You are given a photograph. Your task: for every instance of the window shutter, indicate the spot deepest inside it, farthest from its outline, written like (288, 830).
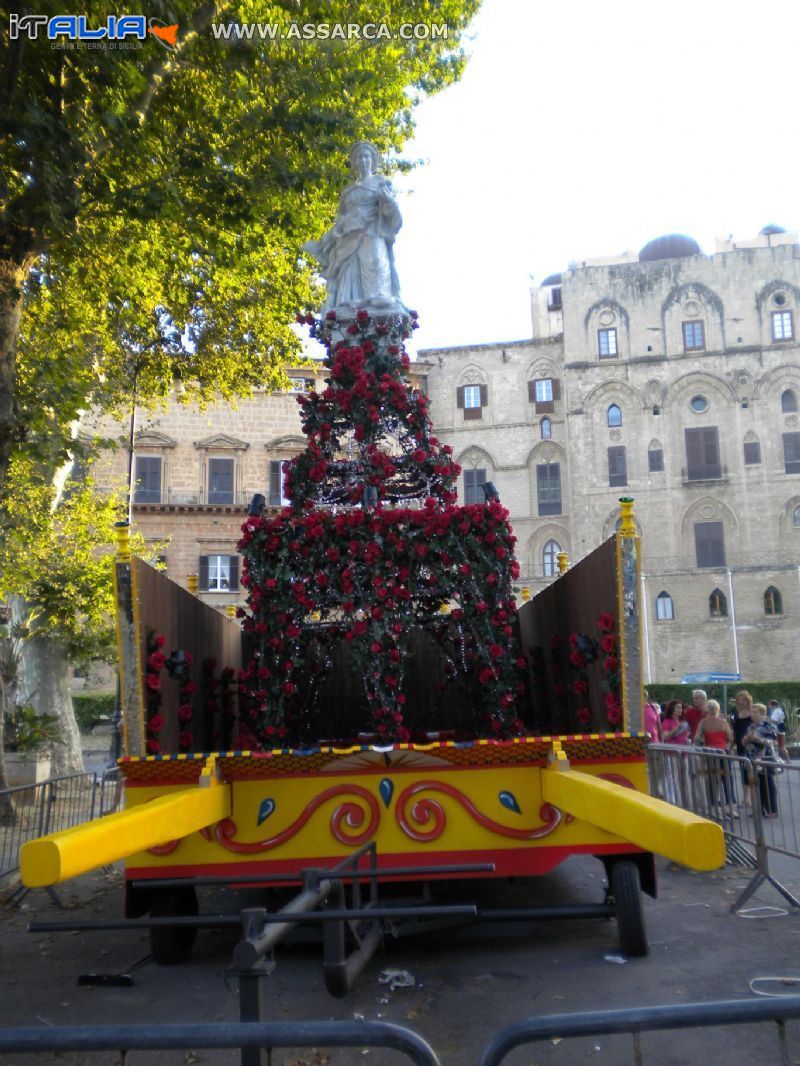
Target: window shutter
(556, 389)
(234, 572)
(275, 474)
(460, 396)
(531, 392)
(473, 412)
(202, 583)
(484, 395)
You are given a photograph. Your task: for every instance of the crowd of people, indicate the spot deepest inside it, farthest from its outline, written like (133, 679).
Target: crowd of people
(754, 731)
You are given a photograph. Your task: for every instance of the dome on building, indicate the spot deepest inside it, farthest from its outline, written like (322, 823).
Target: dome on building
(552, 279)
(771, 230)
(671, 246)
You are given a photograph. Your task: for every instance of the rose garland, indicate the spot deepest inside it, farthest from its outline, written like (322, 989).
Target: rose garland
(612, 682)
(154, 720)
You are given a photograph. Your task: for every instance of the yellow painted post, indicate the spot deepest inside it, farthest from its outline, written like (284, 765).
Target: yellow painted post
(525, 593)
(71, 852)
(192, 583)
(643, 820)
(563, 562)
(230, 610)
(123, 534)
(630, 608)
(128, 650)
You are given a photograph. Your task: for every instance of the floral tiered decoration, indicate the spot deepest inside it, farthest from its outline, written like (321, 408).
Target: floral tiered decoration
(345, 565)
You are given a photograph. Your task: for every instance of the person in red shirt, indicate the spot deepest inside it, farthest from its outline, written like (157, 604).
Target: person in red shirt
(694, 715)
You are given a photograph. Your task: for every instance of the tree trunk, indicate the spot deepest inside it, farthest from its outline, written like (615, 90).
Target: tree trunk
(12, 277)
(45, 685)
(8, 814)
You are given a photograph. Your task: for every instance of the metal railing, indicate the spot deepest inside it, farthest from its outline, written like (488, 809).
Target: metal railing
(638, 1020)
(259, 1036)
(48, 806)
(756, 801)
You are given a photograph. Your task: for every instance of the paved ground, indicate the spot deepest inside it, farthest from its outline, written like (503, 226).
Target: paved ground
(467, 985)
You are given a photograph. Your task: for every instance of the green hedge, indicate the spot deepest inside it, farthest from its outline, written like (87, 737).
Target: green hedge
(92, 710)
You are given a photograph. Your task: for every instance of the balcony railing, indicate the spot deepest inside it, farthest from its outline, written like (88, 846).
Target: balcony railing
(695, 475)
(179, 498)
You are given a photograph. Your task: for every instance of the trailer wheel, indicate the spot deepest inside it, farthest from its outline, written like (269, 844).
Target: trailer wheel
(630, 913)
(173, 944)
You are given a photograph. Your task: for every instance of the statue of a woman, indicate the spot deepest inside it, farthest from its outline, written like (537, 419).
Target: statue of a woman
(356, 256)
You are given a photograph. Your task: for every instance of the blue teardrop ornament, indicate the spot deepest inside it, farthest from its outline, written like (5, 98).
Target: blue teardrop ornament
(265, 810)
(509, 800)
(386, 790)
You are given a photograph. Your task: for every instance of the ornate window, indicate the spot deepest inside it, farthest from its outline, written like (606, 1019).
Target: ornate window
(709, 539)
(796, 517)
(548, 488)
(147, 479)
(617, 466)
(655, 458)
(614, 415)
(788, 402)
(791, 453)
(694, 339)
(546, 428)
(607, 343)
(782, 326)
(718, 604)
(550, 558)
(752, 453)
(474, 480)
(471, 399)
(773, 601)
(665, 607)
(219, 573)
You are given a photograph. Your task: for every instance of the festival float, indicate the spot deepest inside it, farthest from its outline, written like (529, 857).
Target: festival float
(381, 701)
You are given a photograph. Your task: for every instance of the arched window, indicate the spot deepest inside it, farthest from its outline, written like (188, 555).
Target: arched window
(796, 517)
(665, 608)
(614, 415)
(788, 402)
(718, 604)
(773, 603)
(546, 428)
(549, 558)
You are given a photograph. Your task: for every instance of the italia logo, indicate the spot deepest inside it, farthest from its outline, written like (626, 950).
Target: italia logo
(77, 28)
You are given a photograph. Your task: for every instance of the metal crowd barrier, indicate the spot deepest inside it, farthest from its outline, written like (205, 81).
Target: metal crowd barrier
(756, 801)
(48, 806)
(637, 1020)
(261, 1036)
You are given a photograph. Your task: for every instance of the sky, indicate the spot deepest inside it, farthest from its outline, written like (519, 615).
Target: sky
(580, 130)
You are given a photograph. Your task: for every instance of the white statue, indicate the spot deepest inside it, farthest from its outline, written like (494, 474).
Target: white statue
(356, 256)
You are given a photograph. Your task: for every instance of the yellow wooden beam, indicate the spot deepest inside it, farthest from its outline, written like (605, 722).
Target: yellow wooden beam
(72, 852)
(643, 820)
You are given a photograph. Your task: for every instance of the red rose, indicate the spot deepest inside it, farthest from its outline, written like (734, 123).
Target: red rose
(160, 640)
(608, 643)
(289, 689)
(496, 651)
(605, 622)
(584, 715)
(185, 739)
(156, 660)
(153, 747)
(403, 734)
(577, 659)
(153, 682)
(610, 664)
(185, 712)
(614, 715)
(156, 724)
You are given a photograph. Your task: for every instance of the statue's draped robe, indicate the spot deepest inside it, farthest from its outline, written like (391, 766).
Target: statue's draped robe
(356, 256)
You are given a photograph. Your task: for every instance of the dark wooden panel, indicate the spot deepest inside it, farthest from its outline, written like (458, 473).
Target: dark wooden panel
(191, 625)
(572, 604)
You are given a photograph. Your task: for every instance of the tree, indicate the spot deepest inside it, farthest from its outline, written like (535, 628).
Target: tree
(56, 577)
(156, 198)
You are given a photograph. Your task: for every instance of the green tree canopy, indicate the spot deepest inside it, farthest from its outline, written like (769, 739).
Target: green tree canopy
(154, 200)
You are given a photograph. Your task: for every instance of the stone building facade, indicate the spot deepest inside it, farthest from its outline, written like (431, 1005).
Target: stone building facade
(672, 377)
(666, 375)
